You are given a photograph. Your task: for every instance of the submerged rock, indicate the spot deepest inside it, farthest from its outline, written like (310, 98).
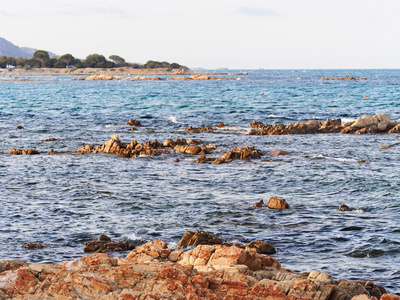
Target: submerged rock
(278, 153)
(33, 246)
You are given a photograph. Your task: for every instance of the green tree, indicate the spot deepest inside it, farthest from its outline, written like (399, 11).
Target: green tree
(117, 59)
(41, 56)
(95, 61)
(67, 59)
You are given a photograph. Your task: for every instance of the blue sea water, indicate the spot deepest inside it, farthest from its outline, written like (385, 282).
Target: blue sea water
(63, 201)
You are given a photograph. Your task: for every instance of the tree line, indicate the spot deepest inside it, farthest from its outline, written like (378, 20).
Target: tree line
(41, 59)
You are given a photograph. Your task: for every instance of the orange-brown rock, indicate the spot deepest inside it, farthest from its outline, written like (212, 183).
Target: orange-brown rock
(100, 77)
(153, 271)
(385, 147)
(243, 153)
(221, 125)
(22, 152)
(135, 122)
(276, 203)
(198, 129)
(198, 237)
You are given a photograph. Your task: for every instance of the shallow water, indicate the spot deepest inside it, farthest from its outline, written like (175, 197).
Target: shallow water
(64, 200)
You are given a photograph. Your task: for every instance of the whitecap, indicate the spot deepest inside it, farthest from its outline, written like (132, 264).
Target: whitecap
(173, 119)
(134, 237)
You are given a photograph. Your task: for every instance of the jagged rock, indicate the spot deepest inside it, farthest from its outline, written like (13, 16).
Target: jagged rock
(104, 244)
(198, 237)
(22, 152)
(7, 265)
(133, 123)
(276, 203)
(153, 271)
(260, 247)
(259, 203)
(243, 153)
(344, 207)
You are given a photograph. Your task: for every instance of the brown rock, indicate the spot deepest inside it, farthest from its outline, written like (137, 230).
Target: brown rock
(259, 203)
(198, 237)
(344, 207)
(260, 247)
(221, 125)
(132, 122)
(104, 244)
(278, 153)
(7, 265)
(276, 203)
(385, 147)
(33, 246)
(19, 127)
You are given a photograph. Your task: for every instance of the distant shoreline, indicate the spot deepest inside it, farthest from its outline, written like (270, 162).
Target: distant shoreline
(94, 71)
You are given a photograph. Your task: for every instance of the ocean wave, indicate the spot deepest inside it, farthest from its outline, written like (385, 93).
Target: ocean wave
(173, 119)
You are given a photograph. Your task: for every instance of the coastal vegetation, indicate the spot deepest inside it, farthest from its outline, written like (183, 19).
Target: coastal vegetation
(41, 59)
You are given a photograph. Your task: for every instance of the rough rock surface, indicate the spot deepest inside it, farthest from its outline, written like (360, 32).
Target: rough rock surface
(152, 271)
(198, 237)
(379, 123)
(105, 244)
(276, 203)
(22, 152)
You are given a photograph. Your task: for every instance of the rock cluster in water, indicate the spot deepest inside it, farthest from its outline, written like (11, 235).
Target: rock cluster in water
(343, 78)
(378, 123)
(153, 271)
(111, 77)
(22, 152)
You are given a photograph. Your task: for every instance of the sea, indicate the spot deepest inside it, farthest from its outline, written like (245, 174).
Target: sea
(65, 200)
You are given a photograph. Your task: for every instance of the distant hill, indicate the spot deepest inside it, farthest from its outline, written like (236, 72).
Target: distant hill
(9, 49)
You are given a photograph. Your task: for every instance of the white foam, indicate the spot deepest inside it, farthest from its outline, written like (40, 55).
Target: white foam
(174, 120)
(115, 126)
(172, 245)
(345, 120)
(134, 237)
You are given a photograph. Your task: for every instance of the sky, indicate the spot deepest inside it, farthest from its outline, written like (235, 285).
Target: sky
(235, 34)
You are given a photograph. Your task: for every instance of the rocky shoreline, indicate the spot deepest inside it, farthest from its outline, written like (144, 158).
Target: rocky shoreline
(154, 271)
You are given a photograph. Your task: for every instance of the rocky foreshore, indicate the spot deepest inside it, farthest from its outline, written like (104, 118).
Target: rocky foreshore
(154, 271)
(379, 123)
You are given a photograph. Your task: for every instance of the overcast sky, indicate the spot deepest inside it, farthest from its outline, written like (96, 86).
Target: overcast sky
(269, 34)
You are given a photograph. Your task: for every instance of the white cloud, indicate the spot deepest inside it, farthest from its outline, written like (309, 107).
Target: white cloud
(253, 11)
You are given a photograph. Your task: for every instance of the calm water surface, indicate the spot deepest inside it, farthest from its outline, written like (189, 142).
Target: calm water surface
(65, 200)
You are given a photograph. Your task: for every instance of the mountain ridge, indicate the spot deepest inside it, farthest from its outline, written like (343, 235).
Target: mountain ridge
(7, 48)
